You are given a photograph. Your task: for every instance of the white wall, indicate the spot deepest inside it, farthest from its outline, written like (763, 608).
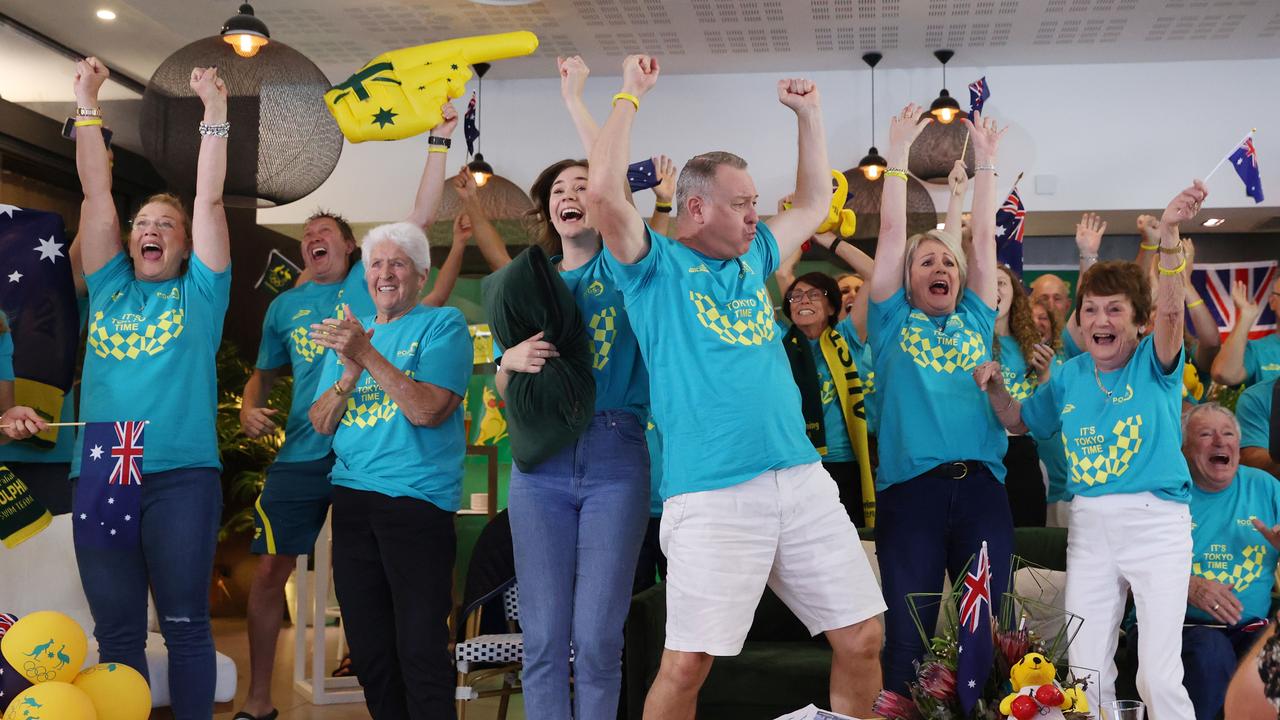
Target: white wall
(1116, 136)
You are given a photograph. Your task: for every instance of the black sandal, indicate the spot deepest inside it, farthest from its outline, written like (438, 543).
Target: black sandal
(242, 715)
(343, 670)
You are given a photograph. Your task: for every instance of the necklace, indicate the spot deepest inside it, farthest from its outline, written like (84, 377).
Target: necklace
(942, 326)
(1098, 378)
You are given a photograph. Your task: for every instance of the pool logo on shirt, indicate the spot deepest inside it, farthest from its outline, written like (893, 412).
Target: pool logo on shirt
(603, 332)
(1215, 561)
(1093, 461)
(943, 351)
(745, 321)
(595, 289)
(305, 348)
(129, 335)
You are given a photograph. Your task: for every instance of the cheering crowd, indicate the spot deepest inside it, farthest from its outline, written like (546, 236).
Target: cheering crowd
(928, 384)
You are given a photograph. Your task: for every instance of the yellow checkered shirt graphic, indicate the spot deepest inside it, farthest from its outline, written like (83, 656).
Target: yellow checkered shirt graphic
(603, 332)
(367, 414)
(303, 345)
(151, 340)
(920, 344)
(1242, 575)
(1103, 466)
(755, 329)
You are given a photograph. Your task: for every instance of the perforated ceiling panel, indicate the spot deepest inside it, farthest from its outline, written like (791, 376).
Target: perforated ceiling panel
(713, 35)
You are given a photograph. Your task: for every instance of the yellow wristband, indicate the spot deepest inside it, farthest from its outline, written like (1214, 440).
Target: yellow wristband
(662, 205)
(1149, 247)
(628, 97)
(1195, 303)
(1176, 271)
(87, 123)
(437, 149)
(897, 174)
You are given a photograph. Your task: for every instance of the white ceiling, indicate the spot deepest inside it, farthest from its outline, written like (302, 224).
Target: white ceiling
(692, 36)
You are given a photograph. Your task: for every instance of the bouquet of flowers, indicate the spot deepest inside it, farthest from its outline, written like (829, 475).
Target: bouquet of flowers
(1025, 624)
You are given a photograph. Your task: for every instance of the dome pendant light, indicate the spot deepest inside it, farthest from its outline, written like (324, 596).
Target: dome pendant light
(945, 109)
(873, 164)
(245, 33)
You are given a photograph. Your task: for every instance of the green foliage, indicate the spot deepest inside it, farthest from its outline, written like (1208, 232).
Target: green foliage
(244, 459)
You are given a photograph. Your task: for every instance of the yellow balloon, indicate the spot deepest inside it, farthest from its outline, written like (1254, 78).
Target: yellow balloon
(118, 691)
(45, 646)
(51, 701)
(399, 93)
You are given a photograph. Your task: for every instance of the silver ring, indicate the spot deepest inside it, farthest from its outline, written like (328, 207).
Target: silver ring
(1216, 606)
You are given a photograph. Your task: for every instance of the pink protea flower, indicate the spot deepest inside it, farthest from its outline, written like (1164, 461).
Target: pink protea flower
(1013, 644)
(894, 706)
(939, 681)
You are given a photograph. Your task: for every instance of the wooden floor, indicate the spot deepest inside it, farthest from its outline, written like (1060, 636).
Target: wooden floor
(230, 638)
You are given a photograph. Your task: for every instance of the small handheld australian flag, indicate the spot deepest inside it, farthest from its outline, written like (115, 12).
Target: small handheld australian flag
(975, 645)
(642, 175)
(107, 506)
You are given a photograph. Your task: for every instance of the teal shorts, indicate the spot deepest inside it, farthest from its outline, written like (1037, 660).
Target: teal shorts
(291, 510)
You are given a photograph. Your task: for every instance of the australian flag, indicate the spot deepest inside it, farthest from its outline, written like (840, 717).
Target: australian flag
(1009, 232)
(38, 298)
(1245, 161)
(976, 648)
(1214, 282)
(979, 92)
(470, 130)
(108, 497)
(642, 175)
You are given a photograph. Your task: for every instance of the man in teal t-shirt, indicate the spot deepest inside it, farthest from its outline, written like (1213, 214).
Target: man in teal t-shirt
(1242, 360)
(1235, 514)
(1253, 410)
(747, 502)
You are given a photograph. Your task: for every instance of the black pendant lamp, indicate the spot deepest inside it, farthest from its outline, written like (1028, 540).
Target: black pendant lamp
(945, 109)
(245, 32)
(480, 170)
(873, 164)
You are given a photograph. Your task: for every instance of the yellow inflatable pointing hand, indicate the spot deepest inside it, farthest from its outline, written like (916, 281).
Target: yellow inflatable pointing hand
(399, 93)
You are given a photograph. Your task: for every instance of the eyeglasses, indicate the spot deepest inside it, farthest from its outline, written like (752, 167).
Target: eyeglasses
(811, 295)
(163, 225)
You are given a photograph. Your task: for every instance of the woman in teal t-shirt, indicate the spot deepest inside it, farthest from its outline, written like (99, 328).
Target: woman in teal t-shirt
(1025, 360)
(1118, 408)
(156, 309)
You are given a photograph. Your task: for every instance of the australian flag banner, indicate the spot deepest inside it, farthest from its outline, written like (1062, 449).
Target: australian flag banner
(21, 514)
(107, 506)
(279, 274)
(976, 647)
(1214, 282)
(1009, 219)
(38, 298)
(642, 175)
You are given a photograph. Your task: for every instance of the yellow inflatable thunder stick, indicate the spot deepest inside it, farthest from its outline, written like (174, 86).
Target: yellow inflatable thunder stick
(399, 93)
(839, 218)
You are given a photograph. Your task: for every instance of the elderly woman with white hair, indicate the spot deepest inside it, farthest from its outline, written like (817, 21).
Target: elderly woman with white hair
(939, 491)
(390, 394)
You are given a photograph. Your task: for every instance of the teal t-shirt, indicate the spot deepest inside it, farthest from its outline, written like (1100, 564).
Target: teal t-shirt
(66, 440)
(377, 448)
(1014, 368)
(720, 383)
(1069, 347)
(622, 383)
(839, 449)
(931, 411)
(151, 356)
(1262, 359)
(6, 356)
(354, 291)
(286, 341)
(654, 439)
(1253, 410)
(1228, 548)
(1130, 442)
(1052, 453)
(862, 357)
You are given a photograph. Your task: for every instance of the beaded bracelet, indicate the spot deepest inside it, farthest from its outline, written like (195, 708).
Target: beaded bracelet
(221, 130)
(88, 111)
(980, 168)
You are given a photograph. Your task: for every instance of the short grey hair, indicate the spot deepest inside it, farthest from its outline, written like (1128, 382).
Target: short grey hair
(698, 174)
(1201, 409)
(408, 236)
(952, 242)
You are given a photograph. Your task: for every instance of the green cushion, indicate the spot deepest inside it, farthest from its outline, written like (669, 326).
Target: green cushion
(787, 674)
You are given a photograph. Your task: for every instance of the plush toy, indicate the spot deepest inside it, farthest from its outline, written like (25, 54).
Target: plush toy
(840, 219)
(399, 93)
(1036, 692)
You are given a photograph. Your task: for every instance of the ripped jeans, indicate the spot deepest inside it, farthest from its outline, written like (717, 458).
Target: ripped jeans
(181, 510)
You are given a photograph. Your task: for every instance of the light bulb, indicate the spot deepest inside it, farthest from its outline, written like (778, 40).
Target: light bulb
(481, 178)
(946, 115)
(246, 44)
(872, 172)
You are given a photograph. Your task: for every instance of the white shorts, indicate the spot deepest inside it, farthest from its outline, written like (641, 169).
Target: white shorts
(784, 528)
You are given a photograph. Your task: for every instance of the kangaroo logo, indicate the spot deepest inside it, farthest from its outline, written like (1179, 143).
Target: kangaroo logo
(37, 650)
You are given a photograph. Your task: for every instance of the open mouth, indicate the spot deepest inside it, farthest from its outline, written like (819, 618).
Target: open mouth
(152, 251)
(1104, 339)
(805, 312)
(1220, 459)
(318, 252)
(387, 288)
(939, 287)
(571, 214)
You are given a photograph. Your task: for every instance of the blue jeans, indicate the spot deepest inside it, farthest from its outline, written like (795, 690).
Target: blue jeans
(926, 526)
(576, 523)
(1209, 659)
(181, 510)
